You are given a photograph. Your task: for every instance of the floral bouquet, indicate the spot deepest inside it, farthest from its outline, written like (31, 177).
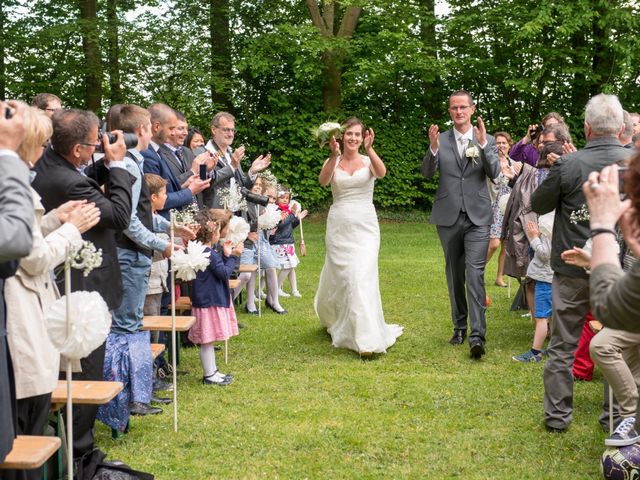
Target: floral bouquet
(186, 263)
(85, 258)
(270, 218)
(186, 216)
(324, 132)
(232, 198)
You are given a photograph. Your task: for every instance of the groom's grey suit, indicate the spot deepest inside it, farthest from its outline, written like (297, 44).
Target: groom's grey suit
(462, 213)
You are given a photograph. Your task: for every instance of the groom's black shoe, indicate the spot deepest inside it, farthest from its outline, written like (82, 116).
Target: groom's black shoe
(458, 337)
(476, 348)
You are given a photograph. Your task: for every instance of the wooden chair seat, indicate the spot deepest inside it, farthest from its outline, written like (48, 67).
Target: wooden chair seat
(30, 451)
(163, 323)
(157, 349)
(248, 268)
(86, 392)
(233, 283)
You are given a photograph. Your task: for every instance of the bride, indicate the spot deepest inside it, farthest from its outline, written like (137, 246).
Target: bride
(348, 298)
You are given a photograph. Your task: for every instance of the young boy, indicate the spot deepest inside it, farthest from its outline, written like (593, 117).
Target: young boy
(540, 271)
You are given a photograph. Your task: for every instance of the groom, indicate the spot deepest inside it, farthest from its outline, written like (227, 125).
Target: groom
(465, 156)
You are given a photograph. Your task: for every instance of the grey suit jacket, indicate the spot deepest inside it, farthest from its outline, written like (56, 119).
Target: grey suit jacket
(16, 208)
(220, 178)
(462, 181)
(178, 170)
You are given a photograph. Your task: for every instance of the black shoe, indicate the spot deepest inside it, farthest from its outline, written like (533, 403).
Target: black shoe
(458, 337)
(551, 429)
(217, 348)
(279, 312)
(220, 381)
(250, 312)
(476, 349)
(137, 408)
(160, 386)
(160, 400)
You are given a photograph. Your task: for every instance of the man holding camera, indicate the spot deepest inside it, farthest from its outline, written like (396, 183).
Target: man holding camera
(562, 191)
(227, 172)
(59, 178)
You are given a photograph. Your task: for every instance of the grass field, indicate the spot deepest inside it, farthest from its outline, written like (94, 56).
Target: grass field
(300, 408)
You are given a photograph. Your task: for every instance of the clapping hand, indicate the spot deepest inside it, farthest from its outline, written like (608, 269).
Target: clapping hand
(84, 216)
(369, 136)
(302, 214)
(434, 137)
(480, 132)
(237, 156)
(532, 230)
(186, 232)
(261, 163)
(64, 210)
(576, 256)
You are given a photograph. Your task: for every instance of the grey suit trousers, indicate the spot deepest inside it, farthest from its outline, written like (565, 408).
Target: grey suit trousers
(465, 250)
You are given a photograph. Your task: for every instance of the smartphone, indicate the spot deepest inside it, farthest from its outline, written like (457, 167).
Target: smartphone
(203, 171)
(622, 171)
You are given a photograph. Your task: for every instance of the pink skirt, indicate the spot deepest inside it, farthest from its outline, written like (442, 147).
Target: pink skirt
(213, 324)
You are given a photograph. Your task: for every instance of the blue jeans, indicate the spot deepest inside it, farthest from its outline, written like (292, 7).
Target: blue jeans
(135, 268)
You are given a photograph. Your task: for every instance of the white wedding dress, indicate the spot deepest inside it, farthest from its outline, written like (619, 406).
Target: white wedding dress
(348, 298)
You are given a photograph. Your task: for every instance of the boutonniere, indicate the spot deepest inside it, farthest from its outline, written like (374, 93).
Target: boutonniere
(472, 153)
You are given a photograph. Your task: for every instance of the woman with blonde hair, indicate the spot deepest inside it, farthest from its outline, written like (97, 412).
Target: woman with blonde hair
(30, 293)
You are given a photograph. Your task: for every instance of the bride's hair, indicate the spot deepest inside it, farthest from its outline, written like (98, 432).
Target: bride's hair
(350, 122)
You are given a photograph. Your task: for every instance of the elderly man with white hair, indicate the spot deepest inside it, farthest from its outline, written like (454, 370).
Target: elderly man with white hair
(562, 191)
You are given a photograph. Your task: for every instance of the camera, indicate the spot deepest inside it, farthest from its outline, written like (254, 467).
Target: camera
(534, 132)
(622, 171)
(8, 113)
(130, 140)
(254, 197)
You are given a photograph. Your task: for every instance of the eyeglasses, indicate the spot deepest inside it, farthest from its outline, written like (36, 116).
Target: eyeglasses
(461, 108)
(94, 145)
(226, 129)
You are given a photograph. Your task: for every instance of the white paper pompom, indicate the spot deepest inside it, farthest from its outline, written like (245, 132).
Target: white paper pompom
(186, 263)
(89, 324)
(270, 218)
(238, 230)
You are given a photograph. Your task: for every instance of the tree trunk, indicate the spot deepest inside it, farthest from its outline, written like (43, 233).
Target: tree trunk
(113, 52)
(91, 48)
(603, 56)
(332, 59)
(220, 55)
(431, 90)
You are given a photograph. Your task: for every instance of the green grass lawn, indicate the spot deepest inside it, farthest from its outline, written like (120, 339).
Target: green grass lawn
(299, 408)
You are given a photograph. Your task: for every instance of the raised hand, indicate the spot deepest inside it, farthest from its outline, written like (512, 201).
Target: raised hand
(302, 214)
(237, 156)
(576, 256)
(185, 232)
(196, 185)
(238, 249)
(369, 136)
(114, 152)
(527, 137)
(207, 158)
(261, 163)
(532, 230)
(12, 130)
(568, 147)
(434, 137)
(335, 148)
(227, 247)
(480, 132)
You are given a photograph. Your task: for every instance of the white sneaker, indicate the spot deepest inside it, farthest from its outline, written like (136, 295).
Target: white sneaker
(282, 293)
(296, 293)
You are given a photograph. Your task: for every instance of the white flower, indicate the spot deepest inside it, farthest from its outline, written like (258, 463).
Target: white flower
(580, 215)
(232, 198)
(324, 132)
(88, 324)
(186, 263)
(85, 258)
(186, 216)
(268, 178)
(472, 153)
(238, 230)
(269, 218)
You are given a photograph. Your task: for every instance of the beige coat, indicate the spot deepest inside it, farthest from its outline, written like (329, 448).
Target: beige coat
(28, 296)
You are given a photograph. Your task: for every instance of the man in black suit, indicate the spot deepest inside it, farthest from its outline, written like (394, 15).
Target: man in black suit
(465, 156)
(59, 178)
(562, 191)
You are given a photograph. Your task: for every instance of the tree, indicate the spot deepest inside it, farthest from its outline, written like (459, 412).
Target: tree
(91, 47)
(333, 56)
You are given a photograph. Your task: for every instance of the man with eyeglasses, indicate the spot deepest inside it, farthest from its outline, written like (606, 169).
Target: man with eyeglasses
(465, 156)
(60, 178)
(228, 172)
(48, 102)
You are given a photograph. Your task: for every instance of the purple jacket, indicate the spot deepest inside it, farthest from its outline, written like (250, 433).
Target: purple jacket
(524, 152)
